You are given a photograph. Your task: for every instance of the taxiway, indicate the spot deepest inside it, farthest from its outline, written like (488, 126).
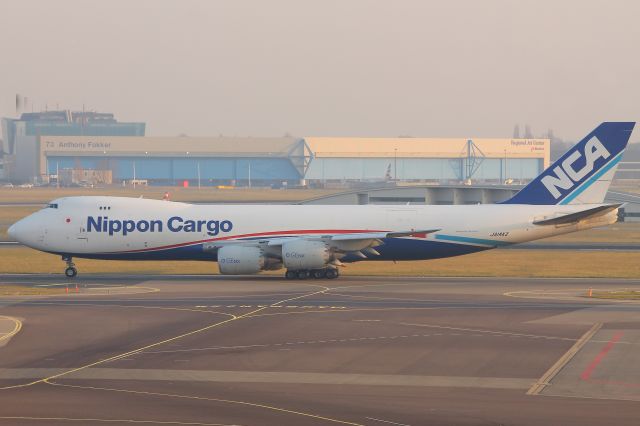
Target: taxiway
(359, 351)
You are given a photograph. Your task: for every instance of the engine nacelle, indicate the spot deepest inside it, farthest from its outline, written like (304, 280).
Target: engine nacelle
(239, 260)
(302, 254)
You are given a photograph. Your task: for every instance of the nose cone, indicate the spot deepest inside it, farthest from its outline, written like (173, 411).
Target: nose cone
(26, 231)
(12, 231)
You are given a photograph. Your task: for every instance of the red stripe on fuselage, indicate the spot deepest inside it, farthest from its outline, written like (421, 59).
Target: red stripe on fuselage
(257, 234)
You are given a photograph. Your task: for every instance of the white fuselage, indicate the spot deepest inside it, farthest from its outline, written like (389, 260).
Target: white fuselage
(130, 228)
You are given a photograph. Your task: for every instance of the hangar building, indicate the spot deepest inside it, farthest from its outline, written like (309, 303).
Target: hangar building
(41, 144)
(310, 160)
(427, 159)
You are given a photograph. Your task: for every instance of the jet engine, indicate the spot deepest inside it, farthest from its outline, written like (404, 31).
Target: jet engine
(305, 254)
(240, 259)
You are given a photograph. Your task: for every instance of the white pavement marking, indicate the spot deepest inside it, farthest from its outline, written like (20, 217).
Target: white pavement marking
(273, 306)
(386, 421)
(344, 340)
(486, 332)
(87, 421)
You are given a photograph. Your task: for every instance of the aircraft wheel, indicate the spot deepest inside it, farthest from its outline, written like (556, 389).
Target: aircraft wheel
(319, 274)
(332, 273)
(303, 274)
(290, 275)
(71, 272)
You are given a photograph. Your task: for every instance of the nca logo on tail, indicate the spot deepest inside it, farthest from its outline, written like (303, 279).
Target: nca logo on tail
(566, 176)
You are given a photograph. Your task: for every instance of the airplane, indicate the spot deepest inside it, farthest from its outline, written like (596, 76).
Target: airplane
(315, 240)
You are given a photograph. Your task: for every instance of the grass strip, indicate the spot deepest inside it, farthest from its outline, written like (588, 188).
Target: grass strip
(494, 263)
(617, 295)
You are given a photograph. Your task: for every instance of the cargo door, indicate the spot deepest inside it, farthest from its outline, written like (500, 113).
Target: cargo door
(402, 219)
(82, 235)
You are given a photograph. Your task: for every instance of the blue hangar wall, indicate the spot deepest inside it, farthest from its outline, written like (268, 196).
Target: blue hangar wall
(171, 170)
(162, 160)
(237, 161)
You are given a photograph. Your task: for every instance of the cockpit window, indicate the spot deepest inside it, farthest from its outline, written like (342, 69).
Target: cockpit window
(52, 206)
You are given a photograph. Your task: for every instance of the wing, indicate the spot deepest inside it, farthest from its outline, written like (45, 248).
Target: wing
(381, 235)
(360, 244)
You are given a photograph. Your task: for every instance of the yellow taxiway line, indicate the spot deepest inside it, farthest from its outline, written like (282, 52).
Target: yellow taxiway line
(50, 380)
(16, 329)
(203, 398)
(546, 378)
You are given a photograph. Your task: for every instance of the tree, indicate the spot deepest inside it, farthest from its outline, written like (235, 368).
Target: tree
(527, 132)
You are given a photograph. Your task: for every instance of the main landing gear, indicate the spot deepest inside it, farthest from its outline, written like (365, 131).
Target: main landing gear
(303, 274)
(71, 270)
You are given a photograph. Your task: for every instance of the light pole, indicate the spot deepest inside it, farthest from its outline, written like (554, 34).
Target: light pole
(198, 175)
(186, 180)
(395, 164)
(504, 180)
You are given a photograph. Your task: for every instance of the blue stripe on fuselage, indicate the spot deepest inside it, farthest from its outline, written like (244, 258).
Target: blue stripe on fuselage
(392, 249)
(471, 240)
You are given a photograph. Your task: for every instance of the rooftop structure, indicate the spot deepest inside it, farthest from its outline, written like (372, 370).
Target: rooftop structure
(64, 123)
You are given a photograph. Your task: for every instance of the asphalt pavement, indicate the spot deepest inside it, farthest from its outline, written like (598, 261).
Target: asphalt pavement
(358, 351)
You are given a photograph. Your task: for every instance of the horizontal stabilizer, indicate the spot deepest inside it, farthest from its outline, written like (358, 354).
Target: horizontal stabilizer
(578, 216)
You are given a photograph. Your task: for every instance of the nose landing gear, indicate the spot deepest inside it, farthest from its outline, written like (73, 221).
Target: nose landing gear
(71, 270)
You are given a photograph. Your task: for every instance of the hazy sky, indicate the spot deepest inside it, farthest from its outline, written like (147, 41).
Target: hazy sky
(328, 68)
